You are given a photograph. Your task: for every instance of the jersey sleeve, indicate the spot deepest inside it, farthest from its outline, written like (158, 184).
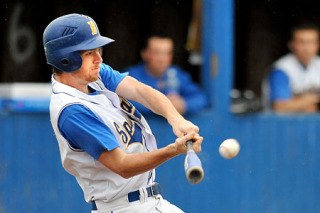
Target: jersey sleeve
(279, 86)
(84, 130)
(110, 77)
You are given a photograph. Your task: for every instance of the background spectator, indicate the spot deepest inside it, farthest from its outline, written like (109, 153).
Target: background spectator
(157, 71)
(294, 82)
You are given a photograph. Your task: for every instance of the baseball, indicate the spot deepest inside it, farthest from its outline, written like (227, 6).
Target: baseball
(229, 148)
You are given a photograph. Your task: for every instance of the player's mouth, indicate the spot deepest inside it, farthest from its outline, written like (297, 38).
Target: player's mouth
(96, 68)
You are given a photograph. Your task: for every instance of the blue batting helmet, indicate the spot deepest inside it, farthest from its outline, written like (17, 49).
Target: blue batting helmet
(66, 36)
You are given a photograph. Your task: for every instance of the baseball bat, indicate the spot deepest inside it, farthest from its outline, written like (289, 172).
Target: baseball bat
(192, 165)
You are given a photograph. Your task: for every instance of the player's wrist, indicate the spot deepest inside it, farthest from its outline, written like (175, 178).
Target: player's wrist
(172, 150)
(174, 118)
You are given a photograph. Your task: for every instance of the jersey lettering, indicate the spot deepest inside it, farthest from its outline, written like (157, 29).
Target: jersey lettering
(124, 135)
(130, 132)
(129, 127)
(129, 108)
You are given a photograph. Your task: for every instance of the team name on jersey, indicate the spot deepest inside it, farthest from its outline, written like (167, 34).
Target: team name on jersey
(129, 130)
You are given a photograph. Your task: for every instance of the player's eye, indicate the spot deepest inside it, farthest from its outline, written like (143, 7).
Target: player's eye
(100, 51)
(86, 52)
(91, 52)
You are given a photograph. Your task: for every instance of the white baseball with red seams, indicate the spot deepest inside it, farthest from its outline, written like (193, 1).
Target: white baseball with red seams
(229, 148)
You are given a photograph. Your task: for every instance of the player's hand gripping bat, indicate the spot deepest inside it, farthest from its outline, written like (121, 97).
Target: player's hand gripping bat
(192, 165)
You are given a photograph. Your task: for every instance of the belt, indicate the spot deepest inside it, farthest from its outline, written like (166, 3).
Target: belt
(135, 195)
(151, 190)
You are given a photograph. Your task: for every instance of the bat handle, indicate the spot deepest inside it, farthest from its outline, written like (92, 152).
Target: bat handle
(193, 166)
(189, 145)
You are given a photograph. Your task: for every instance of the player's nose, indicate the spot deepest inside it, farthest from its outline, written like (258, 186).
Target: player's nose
(98, 57)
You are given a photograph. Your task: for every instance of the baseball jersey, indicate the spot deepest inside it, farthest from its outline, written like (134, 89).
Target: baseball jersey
(173, 80)
(123, 125)
(290, 77)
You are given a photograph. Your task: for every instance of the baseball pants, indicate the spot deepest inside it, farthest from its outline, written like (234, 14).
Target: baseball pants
(155, 204)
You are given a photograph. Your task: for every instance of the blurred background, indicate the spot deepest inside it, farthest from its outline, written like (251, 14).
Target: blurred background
(127, 22)
(276, 170)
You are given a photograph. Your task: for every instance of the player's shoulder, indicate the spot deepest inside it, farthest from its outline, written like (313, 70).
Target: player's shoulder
(74, 109)
(136, 69)
(316, 61)
(278, 75)
(289, 64)
(285, 60)
(105, 68)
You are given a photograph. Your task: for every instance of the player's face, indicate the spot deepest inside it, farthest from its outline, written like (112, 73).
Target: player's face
(91, 60)
(158, 55)
(305, 45)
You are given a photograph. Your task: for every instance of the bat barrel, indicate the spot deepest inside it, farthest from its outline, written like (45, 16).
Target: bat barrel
(193, 166)
(195, 175)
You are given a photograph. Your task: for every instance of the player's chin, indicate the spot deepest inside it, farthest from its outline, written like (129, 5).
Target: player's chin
(95, 72)
(93, 77)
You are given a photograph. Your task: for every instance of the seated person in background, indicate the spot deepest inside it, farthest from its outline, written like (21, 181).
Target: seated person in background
(294, 82)
(157, 71)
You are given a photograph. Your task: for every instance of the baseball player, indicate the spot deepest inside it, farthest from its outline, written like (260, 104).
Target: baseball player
(294, 82)
(103, 140)
(157, 71)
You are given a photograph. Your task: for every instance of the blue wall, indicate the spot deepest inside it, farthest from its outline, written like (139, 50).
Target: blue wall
(31, 176)
(276, 170)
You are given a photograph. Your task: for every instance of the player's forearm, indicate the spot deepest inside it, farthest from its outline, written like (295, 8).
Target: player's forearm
(129, 165)
(142, 162)
(294, 105)
(139, 163)
(158, 103)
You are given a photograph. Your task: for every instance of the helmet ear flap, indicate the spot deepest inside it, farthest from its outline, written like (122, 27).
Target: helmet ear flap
(65, 61)
(68, 62)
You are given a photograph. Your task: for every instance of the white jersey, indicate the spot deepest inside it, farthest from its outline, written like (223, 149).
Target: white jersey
(96, 180)
(301, 79)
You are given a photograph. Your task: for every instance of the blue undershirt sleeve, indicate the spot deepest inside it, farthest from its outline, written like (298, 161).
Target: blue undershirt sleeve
(279, 86)
(110, 77)
(85, 131)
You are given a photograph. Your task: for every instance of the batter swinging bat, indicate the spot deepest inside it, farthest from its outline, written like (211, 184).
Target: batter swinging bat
(192, 165)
